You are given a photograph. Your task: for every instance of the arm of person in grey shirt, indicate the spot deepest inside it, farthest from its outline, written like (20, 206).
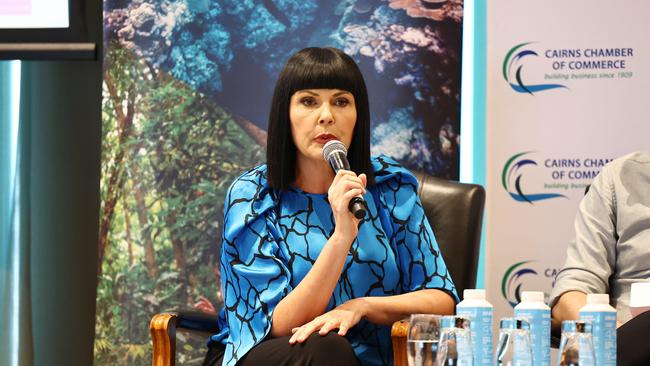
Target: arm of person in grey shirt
(591, 256)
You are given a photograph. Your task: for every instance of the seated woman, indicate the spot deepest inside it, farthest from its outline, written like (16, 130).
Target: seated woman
(304, 281)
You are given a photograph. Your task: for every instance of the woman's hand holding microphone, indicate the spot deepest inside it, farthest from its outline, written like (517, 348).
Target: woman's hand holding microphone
(346, 185)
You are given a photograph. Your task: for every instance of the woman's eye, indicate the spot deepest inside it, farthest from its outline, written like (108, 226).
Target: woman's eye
(341, 102)
(308, 101)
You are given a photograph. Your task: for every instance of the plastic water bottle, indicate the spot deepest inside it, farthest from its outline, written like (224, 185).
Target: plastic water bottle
(603, 327)
(479, 312)
(533, 308)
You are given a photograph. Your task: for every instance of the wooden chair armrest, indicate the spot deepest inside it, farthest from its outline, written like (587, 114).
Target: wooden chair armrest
(398, 338)
(163, 335)
(163, 329)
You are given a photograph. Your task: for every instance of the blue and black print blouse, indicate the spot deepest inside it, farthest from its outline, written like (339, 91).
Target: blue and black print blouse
(272, 238)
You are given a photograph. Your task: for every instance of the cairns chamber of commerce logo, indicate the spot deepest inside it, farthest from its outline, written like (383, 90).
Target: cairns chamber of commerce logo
(513, 280)
(512, 179)
(529, 274)
(513, 70)
(530, 67)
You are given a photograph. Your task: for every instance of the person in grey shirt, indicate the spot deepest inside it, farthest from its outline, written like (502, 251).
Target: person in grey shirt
(612, 244)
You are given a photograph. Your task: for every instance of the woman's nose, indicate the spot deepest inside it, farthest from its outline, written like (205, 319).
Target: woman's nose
(325, 116)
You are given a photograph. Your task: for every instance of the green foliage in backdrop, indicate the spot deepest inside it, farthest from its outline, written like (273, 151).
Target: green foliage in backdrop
(168, 157)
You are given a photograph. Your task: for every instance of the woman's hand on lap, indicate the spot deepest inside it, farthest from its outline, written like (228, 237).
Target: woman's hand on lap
(343, 317)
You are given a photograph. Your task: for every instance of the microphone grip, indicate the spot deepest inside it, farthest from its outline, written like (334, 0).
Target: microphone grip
(358, 207)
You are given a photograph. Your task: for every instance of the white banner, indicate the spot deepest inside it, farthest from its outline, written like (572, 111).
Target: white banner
(568, 87)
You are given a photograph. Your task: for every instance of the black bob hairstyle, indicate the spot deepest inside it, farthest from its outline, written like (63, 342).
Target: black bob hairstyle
(315, 68)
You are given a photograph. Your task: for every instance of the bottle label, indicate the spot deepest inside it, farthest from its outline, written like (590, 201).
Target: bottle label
(603, 330)
(481, 329)
(540, 333)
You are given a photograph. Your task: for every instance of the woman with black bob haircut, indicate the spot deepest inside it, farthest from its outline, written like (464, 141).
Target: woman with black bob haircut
(304, 281)
(319, 68)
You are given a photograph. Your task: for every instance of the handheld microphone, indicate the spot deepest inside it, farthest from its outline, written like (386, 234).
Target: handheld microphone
(335, 153)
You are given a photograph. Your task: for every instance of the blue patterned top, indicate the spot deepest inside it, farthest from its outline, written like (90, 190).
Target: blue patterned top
(272, 238)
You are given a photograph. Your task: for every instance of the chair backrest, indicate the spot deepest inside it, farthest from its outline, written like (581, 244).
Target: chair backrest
(455, 212)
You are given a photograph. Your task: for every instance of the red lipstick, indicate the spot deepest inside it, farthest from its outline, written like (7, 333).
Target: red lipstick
(323, 138)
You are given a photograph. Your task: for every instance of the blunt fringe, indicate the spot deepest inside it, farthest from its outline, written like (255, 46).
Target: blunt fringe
(315, 68)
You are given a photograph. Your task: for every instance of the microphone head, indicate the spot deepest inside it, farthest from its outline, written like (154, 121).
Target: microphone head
(332, 146)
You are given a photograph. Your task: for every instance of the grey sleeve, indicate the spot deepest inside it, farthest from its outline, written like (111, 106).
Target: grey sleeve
(591, 256)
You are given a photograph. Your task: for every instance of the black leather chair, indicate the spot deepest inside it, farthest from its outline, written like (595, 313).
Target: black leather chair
(455, 212)
(632, 345)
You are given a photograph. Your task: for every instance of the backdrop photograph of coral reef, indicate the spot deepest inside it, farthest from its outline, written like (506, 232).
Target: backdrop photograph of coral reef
(186, 94)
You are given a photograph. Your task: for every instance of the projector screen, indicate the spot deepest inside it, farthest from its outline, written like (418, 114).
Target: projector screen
(31, 14)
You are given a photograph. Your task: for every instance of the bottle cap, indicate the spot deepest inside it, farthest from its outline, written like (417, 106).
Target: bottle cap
(640, 294)
(514, 323)
(454, 321)
(532, 296)
(639, 298)
(576, 326)
(476, 294)
(598, 299)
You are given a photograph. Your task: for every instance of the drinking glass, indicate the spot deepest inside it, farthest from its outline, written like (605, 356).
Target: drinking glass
(455, 346)
(514, 347)
(576, 345)
(422, 339)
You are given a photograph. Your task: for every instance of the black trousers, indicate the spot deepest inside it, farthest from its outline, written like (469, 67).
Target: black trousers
(317, 350)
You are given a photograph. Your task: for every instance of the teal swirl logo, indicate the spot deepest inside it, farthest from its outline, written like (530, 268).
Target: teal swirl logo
(511, 284)
(511, 179)
(513, 66)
